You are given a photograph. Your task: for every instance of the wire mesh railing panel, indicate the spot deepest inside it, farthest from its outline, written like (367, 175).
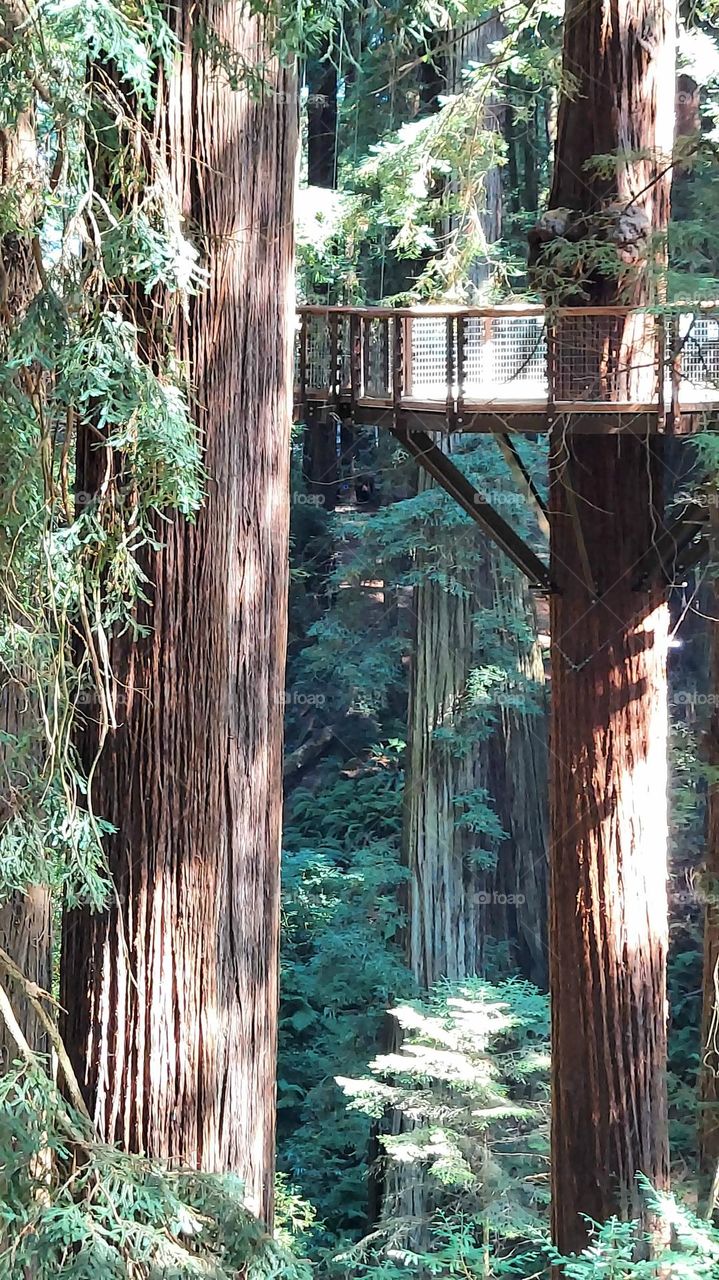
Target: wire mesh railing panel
(605, 358)
(428, 360)
(505, 358)
(318, 354)
(697, 339)
(377, 358)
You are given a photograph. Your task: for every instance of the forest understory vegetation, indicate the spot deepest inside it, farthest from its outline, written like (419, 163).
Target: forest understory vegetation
(216, 1061)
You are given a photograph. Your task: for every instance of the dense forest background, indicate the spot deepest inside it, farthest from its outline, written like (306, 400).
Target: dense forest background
(147, 222)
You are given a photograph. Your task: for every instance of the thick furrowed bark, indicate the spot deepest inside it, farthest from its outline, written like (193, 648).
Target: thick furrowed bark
(608, 919)
(709, 1071)
(172, 993)
(608, 724)
(454, 905)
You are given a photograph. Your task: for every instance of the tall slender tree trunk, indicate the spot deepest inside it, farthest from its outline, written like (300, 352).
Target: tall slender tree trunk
(709, 1070)
(25, 918)
(464, 913)
(458, 908)
(321, 77)
(172, 993)
(442, 913)
(473, 45)
(608, 733)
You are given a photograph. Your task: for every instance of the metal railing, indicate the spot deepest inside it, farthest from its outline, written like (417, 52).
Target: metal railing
(513, 359)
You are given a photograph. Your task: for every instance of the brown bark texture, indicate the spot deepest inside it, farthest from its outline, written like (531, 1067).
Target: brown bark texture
(172, 993)
(608, 774)
(456, 909)
(608, 728)
(709, 1070)
(616, 58)
(462, 916)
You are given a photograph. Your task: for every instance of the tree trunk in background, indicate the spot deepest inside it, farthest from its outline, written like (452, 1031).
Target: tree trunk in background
(456, 908)
(473, 46)
(321, 80)
(516, 755)
(464, 918)
(442, 938)
(319, 455)
(25, 919)
(172, 993)
(608, 737)
(709, 1070)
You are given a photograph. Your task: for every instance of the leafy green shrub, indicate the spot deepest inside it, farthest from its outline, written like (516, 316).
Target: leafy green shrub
(74, 1209)
(471, 1084)
(341, 966)
(691, 1254)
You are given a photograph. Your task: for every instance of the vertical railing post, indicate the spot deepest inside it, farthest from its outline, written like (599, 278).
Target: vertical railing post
(659, 357)
(398, 335)
(487, 365)
(366, 355)
(675, 346)
(551, 361)
(408, 352)
(449, 354)
(356, 388)
(334, 373)
(303, 365)
(384, 328)
(461, 361)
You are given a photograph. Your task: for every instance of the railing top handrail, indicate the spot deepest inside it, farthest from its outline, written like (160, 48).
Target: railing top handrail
(438, 311)
(506, 310)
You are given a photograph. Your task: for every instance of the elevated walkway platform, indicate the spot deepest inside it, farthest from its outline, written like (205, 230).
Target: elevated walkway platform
(427, 372)
(510, 368)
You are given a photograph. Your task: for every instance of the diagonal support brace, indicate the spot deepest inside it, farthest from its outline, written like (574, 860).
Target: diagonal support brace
(674, 539)
(524, 479)
(441, 468)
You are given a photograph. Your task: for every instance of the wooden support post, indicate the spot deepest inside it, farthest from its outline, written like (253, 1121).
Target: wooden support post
(450, 368)
(367, 355)
(397, 367)
(461, 361)
(659, 360)
(303, 366)
(356, 380)
(334, 358)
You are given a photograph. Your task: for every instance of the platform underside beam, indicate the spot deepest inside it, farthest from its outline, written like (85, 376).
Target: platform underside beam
(441, 468)
(507, 419)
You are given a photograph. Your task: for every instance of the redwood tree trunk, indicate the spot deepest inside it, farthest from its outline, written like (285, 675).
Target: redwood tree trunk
(473, 46)
(608, 774)
(172, 993)
(709, 1072)
(609, 720)
(457, 909)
